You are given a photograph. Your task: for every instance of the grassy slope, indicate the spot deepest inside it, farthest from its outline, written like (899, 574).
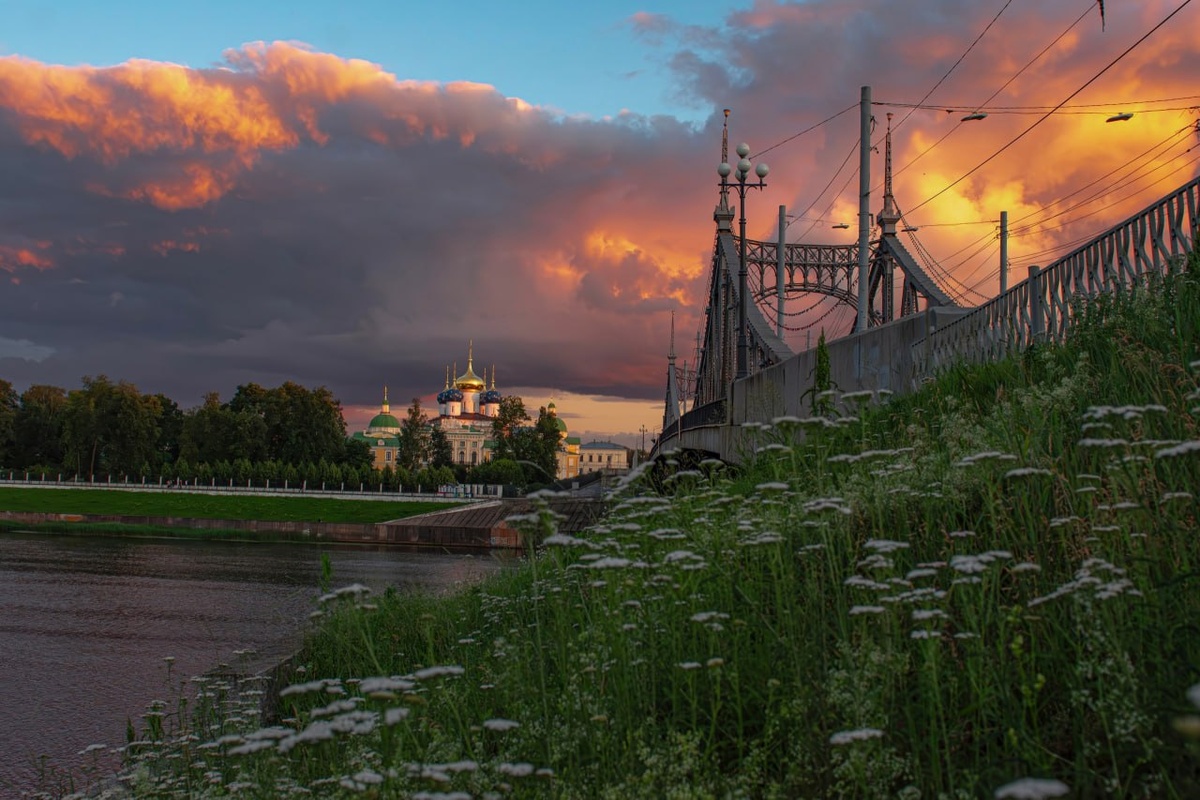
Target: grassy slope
(995, 579)
(205, 506)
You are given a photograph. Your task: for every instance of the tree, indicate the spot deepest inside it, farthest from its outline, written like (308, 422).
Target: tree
(441, 454)
(299, 424)
(540, 445)
(413, 451)
(38, 427)
(109, 427)
(9, 404)
(170, 427)
(358, 454)
(507, 423)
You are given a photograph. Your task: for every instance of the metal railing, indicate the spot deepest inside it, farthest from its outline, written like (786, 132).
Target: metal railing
(1043, 307)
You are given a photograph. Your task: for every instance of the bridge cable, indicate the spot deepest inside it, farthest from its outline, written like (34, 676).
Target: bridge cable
(1050, 113)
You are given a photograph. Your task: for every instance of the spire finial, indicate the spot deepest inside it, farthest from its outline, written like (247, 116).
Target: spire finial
(447, 386)
(671, 355)
(889, 216)
(384, 409)
(470, 353)
(725, 139)
(493, 376)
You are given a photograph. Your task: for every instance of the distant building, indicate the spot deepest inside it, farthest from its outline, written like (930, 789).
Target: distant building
(383, 435)
(466, 408)
(607, 457)
(568, 454)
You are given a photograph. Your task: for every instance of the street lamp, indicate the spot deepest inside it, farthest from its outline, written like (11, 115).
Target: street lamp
(743, 172)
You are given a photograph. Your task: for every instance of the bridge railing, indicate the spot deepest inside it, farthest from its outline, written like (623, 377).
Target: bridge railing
(1044, 305)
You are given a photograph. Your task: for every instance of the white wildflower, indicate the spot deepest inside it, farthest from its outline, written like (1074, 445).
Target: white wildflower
(856, 610)
(437, 672)
(500, 725)
(521, 770)
(1032, 789)
(859, 735)
(1022, 472)
(884, 545)
(1179, 450)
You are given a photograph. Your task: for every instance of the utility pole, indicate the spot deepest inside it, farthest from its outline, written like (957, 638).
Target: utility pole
(779, 252)
(864, 204)
(1003, 252)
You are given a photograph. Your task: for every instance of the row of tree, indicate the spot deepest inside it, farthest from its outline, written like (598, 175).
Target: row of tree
(289, 433)
(111, 428)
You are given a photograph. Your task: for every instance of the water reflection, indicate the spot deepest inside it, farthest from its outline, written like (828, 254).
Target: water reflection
(87, 622)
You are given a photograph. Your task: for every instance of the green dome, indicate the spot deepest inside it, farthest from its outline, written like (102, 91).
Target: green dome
(383, 422)
(562, 426)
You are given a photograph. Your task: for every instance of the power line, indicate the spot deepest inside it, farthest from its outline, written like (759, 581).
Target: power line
(954, 66)
(806, 130)
(1048, 114)
(992, 96)
(1128, 179)
(954, 108)
(821, 194)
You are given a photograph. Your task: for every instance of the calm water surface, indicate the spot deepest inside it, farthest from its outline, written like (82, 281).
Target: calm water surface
(87, 622)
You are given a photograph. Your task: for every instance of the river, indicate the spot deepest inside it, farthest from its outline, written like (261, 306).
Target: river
(92, 629)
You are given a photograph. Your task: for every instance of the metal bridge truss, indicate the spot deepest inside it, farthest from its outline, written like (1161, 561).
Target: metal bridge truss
(830, 270)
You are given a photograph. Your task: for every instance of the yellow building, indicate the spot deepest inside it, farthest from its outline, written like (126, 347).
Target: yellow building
(466, 408)
(568, 453)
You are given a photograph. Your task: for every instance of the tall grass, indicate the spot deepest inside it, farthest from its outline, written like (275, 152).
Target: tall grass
(988, 588)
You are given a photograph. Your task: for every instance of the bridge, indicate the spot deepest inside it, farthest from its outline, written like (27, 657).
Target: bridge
(888, 352)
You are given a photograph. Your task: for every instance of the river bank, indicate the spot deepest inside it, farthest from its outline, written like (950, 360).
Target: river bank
(984, 589)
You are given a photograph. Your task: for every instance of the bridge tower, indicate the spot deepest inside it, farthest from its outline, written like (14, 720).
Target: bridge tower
(671, 403)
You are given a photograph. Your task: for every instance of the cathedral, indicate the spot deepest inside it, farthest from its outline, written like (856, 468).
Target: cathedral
(466, 408)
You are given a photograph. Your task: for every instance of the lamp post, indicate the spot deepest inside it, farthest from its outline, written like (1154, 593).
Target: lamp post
(743, 172)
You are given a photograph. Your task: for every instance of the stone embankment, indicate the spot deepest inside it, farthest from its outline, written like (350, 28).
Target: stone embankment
(477, 526)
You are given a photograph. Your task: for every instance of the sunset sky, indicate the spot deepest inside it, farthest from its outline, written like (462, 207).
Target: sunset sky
(195, 196)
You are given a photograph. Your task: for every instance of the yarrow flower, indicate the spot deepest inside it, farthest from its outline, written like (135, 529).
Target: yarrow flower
(842, 738)
(1032, 789)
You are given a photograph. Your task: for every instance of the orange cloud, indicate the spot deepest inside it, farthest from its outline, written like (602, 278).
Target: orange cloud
(14, 258)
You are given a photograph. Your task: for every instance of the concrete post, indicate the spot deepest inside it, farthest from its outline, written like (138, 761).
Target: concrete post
(1036, 321)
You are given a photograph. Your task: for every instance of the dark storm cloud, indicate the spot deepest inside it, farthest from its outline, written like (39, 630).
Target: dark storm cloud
(299, 216)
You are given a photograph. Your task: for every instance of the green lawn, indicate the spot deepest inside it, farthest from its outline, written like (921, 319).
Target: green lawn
(205, 506)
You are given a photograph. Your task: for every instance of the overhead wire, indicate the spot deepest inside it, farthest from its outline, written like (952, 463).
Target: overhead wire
(1107, 188)
(1032, 214)
(954, 66)
(1051, 112)
(809, 129)
(952, 108)
(1079, 240)
(992, 96)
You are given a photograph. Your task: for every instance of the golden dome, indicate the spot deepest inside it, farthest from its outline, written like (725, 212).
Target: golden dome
(469, 381)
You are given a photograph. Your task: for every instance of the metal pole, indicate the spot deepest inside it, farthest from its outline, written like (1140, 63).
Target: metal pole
(864, 204)
(1003, 252)
(743, 345)
(779, 271)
